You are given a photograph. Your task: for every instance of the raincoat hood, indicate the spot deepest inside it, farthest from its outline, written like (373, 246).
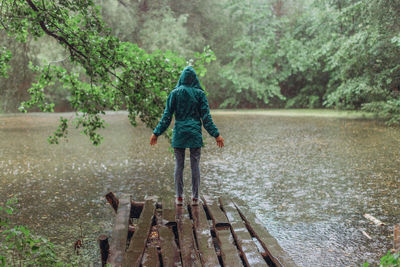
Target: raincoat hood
(189, 78)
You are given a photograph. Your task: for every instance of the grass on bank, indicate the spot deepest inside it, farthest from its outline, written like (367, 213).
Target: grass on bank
(328, 113)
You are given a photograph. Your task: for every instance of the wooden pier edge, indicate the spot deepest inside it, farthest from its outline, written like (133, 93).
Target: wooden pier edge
(217, 232)
(396, 238)
(268, 242)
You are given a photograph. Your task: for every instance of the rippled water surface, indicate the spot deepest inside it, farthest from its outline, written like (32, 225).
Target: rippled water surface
(310, 180)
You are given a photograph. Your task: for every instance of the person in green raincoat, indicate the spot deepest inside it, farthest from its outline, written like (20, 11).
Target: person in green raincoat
(189, 104)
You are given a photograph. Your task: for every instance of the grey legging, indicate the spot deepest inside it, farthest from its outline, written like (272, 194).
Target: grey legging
(194, 164)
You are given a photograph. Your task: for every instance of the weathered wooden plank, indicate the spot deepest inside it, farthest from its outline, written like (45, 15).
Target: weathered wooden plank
(274, 251)
(217, 215)
(396, 237)
(205, 243)
(229, 252)
(104, 249)
(120, 231)
(244, 241)
(169, 249)
(168, 211)
(150, 257)
(138, 241)
(189, 254)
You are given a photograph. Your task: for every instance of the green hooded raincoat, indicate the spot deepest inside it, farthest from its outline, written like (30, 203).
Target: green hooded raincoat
(189, 104)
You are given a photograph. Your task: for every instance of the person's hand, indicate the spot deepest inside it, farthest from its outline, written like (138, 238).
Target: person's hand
(220, 141)
(153, 140)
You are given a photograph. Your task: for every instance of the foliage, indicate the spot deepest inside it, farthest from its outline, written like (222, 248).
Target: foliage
(5, 56)
(253, 72)
(112, 74)
(270, 53)
(20, 247)
(389, 260)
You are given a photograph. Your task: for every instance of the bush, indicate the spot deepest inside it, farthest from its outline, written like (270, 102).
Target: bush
(389, 110)
(389, 260)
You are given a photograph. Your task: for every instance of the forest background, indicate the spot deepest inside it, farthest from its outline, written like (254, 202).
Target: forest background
(341, 54)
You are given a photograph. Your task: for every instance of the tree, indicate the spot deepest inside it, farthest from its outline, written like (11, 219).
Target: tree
(252, 71)
(107, 74)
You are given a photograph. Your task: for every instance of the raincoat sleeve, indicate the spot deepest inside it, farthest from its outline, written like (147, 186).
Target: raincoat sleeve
(166, 118)
(206, 117)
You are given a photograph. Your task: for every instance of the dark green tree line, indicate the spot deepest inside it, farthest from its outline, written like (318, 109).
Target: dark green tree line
(270, 53)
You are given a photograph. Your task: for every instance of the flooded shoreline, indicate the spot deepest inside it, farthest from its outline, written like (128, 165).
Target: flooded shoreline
(309, 179)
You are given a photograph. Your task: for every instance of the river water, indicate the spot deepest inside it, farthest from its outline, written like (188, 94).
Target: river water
(309, 179)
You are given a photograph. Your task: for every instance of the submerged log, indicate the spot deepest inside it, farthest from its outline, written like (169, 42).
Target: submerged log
(366, 234)
(373, 219)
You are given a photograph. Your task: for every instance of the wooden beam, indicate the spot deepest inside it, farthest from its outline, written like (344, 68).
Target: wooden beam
(120, 231)
(229, 251)
(274, 251)
(150, 257)
(189, 254)
(205, 242)
(217, 215)
(396, 238)
(169, 249)
(104, 249)
(251, 254)
(168, 211)
(134, 254)
(113, 200)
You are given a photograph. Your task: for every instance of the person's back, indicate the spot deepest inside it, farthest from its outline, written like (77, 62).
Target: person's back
(189, 104)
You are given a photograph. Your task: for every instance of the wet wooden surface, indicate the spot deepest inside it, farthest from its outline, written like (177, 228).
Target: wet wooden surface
(150, 257)
(217, 215)
(396, 237)
(251, 254)
(169, 250)
(138, 241)
(277, 255)
(205, 241)
(120, 231)
(229, 251)
(187, 242)
(214, 233)
(168, 211)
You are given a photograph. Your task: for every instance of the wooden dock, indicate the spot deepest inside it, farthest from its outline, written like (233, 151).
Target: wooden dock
(214, 233)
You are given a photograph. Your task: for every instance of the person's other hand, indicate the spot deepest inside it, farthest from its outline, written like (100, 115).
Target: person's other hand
(153, 140)
(220, 141)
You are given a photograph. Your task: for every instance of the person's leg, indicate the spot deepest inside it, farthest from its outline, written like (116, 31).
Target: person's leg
(179, 164)
(194, 164)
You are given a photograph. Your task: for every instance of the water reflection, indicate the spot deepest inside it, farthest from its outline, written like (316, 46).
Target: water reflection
(309, 180)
